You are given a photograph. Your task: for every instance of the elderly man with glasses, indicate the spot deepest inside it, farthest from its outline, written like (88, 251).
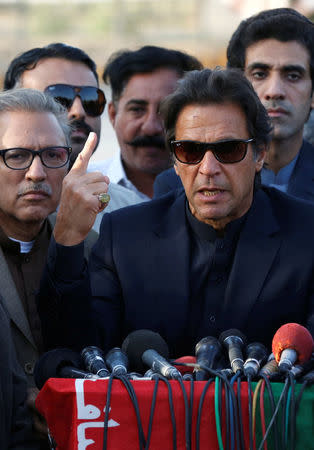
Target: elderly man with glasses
(222, 253)
(34, 159)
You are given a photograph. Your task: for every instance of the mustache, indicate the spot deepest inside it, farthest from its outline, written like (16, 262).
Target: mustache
(43, 187)
(273, 104)
(148, 141)
(80, 124)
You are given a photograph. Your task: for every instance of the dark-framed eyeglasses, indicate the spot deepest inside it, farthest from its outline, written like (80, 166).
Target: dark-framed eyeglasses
(22, 158)
(93, 99)
(227, 151)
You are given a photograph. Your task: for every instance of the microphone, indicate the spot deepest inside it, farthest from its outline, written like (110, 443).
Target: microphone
(207, 351)
(160, 365)
(270, 369)
(292, 343)
(256, 354)
(135, 344)
(117, 361)
(59, 363)
(185, 364)
(94, 362)
(234, 341)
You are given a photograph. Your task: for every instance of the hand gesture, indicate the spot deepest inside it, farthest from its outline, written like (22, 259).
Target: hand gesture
(79, 204)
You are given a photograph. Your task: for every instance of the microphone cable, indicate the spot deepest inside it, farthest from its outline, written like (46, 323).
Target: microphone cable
(283, 393)
(188, 416)
(217, 413)
(290, 412)
(240, 413)
(151, 416)
(199, 412)
(133, 398)
(262, 410)
(273, 407)
(171, 408)
(249, 398)
(233, 410)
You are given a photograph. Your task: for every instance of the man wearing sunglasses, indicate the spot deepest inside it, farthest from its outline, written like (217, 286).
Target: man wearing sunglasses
(275, 49)
(69, 75)
(222, 253)
(139, 81)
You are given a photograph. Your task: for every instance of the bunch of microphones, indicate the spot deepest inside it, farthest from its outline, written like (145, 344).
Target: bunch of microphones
(144, 355)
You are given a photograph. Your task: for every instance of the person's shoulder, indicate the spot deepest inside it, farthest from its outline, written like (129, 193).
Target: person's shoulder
(289, 207)
(148, 211)
(99, 166)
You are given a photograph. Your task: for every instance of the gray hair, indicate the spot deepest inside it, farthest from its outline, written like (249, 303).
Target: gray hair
(31, 100)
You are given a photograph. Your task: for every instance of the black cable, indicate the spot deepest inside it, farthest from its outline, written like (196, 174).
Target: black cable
(292, 413)
(109, 389)
(227, 421)
(283, 393)
(187, 416)
(283, 417)
(273, 407)
(191, 405)
(249, 387)
(298, 400)
(151, 416)
(240, 412)
(199, 413)
(172, 413)
(131, 392)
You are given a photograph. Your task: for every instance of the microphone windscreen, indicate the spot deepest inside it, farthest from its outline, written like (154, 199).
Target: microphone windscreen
(293, 336)
(50, 363)
(184, 360)
(137, 342)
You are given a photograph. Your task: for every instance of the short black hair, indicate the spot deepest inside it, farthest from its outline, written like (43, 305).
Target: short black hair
(283, 24)
(123, 64)
(218, 86)
(29, 59)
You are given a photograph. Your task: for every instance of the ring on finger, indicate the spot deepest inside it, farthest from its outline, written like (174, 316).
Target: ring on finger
(104, 197)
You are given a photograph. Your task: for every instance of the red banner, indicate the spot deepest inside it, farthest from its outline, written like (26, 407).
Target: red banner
(75, 413)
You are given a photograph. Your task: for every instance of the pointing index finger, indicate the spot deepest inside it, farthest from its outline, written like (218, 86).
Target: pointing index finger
(82, 160)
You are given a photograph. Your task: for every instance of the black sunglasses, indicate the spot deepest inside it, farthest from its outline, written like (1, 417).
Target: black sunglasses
(228, 151)
(93, 99)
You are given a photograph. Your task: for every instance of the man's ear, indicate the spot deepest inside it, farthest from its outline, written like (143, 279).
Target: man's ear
(260, 160)
(112, 112)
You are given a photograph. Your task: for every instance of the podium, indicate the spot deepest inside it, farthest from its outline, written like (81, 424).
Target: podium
(75, 413)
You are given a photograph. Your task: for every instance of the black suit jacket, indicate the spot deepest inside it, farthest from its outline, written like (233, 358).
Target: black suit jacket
(15, 418)
(139, 273)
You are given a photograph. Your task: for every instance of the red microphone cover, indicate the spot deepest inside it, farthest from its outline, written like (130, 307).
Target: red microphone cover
(184, 360)
(296, 337)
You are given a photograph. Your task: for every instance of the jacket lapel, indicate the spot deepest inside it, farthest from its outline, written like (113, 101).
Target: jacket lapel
(301, 183)
(173, 241)
(258, 245)
(12, 300)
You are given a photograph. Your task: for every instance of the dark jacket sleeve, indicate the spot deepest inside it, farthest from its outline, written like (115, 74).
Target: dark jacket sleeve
(16, 431)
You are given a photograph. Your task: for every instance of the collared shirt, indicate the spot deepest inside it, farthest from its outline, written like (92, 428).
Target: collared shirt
(114, 169)
(26, 270)
(281, 179)
(211, 260)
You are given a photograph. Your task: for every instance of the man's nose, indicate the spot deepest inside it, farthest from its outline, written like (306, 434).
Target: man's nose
(36, 171)
(209, 165)
(76, 111)
(152, 124)
(274, 87)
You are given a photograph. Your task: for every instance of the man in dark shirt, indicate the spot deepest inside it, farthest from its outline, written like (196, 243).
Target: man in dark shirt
(221, 254)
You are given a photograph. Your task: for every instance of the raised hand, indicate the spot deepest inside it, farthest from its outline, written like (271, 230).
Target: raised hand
(79, 204)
